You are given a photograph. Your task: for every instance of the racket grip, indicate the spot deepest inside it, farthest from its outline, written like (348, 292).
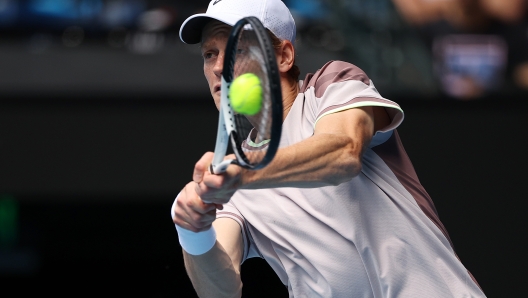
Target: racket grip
(220, 168)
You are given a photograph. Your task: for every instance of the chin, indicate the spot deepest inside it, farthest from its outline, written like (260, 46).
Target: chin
(217, 102)
(216, 98)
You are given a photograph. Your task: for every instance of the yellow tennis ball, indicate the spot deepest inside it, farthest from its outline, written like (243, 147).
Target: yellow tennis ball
(245, 94)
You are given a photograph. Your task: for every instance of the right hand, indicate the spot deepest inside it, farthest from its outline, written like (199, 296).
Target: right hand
(191, 213)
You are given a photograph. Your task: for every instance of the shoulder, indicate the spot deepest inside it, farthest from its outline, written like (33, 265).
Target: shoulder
(334, 72)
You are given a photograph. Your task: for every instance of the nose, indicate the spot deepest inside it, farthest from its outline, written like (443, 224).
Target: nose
(219, 65)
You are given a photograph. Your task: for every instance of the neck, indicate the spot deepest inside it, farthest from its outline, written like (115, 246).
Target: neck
(290, 90)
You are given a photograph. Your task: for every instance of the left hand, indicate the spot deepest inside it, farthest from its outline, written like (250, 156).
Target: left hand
(213, 188)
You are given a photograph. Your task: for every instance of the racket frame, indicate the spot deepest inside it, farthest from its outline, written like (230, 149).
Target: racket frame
(226, 125)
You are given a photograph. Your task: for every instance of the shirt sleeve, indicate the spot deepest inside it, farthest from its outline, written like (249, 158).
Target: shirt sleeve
(340, 86)
(230, 211)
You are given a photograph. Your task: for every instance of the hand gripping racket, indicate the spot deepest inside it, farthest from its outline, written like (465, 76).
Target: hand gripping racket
(254, 139)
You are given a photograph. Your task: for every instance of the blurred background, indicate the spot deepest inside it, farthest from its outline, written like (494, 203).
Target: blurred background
(103, 112)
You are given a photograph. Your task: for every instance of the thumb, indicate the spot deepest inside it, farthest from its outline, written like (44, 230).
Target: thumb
(202, 166)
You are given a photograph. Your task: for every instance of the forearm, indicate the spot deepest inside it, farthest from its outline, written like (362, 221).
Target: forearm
(321, 160)
(213, 273)
(212, 256)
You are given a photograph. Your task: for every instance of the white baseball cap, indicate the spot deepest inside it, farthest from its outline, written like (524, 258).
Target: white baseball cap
(273, 14)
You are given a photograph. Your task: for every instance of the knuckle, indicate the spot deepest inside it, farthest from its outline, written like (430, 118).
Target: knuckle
(175, 217)
(196, 226)
(196, 218)
(180, 205)
(179, 222)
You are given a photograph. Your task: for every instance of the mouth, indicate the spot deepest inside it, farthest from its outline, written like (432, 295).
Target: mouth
(216, 88)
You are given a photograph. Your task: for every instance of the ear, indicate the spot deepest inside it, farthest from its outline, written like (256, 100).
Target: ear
(285, 56)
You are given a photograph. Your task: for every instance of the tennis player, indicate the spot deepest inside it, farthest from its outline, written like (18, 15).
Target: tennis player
(339, 212)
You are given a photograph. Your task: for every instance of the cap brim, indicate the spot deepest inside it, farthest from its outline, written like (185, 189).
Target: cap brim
(191, 29)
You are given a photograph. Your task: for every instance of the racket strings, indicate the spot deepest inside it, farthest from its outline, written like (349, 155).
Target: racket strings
(250, 58)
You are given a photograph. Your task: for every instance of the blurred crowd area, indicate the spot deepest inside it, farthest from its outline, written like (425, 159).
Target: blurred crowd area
(463, 49)
(477, 46)
(136, 25)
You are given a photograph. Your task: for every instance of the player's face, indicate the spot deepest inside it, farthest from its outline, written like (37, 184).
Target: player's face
(214, 40)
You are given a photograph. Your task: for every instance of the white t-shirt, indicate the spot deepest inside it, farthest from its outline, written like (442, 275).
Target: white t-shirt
(377, 235)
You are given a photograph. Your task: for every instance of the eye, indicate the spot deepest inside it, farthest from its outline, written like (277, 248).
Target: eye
(208, 55)
(241, 51)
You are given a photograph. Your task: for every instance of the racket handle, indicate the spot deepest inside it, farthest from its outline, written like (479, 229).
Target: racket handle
(220, 168)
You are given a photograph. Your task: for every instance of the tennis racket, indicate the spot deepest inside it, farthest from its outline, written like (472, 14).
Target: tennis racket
(254, 139)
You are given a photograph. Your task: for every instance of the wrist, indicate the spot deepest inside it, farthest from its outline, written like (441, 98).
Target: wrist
(194, 243)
